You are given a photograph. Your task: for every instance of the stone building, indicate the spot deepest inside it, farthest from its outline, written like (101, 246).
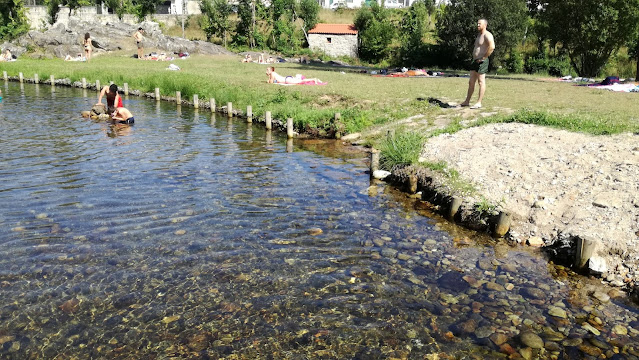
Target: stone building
(334, 39)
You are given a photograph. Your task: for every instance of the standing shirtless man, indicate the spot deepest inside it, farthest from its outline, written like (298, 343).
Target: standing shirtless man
(138, 40)
(484, 46)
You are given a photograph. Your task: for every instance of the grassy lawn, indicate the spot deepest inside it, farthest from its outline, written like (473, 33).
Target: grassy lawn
(364, 101)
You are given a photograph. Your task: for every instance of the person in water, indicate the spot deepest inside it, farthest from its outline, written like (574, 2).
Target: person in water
(275, 78)
(112, 97)
(122, 115)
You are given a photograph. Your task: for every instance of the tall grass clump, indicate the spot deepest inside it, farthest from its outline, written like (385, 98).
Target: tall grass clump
(400, 149)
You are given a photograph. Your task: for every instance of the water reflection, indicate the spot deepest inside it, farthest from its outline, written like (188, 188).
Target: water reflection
(181, 239)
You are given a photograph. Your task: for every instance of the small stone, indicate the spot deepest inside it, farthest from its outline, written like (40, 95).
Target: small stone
(18, 229)
(557, 312)
(535, 241)
(315, 231)
(620, 330)
(389, 253)
(70, 306)
(494, 286)
(597, 265)
(381, 174)
(411, 334)
(6, 338)
(403, 256)
(531, 340)
(15, 346)
(351, 137)
(180, 232)
(170, 319)
(526, 353)
(498, 338)
(290, 262)
(572, 342)
(601, 296)
(483, 332)
(509, 286)
(534, 293)
(552, 346)
(41, 216)
(590, 328)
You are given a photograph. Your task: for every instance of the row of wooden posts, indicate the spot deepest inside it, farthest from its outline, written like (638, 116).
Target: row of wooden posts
(290, 132)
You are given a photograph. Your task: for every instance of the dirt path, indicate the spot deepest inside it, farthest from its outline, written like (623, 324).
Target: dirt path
(556, 182)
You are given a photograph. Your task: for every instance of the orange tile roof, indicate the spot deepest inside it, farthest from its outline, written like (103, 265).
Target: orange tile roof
(337, 29)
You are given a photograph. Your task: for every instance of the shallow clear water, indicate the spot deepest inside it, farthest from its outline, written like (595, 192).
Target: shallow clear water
(191, 236)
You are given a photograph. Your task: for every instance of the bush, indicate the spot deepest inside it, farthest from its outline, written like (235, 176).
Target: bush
(559, 66)
(515, 62)
(535, 65)
(400, 149)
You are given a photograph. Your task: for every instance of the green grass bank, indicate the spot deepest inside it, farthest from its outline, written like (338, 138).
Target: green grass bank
(363, 101)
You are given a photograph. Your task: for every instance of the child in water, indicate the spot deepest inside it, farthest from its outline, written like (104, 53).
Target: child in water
(122, 116)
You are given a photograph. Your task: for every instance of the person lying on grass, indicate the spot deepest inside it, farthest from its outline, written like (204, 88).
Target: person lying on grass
(275, 78)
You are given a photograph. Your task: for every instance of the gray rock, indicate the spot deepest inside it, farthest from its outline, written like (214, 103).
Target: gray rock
(533, 293)
(483, 332)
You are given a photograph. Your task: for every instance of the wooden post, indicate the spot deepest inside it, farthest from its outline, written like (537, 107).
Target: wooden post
(249, 114)
(84, 83)
(585, 248)
(212, 104)
(36, 78)
(268, 120)
(157, 94)
(97, 85)
(196, 101)
(503, 224)
(453, 208)
(52, 80)
(126, 89)
(412, 183)
(289, 128)
(337, 123)
(5, 76)
(21, 77)
(229, 109)
(374, 161)
(178, 97)
(289, 145)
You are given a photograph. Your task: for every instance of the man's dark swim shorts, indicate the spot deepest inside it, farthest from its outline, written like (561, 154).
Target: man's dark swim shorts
(480, 67)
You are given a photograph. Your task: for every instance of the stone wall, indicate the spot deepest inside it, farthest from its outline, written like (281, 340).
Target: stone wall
(38, 17)
(339, 45)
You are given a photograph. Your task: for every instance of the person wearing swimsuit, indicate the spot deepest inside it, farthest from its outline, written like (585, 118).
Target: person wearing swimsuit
(275, 78)
(112, 96)
(122, 116)
(88, 48)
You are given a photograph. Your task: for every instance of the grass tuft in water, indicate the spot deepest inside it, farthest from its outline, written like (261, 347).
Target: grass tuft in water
(400, 149)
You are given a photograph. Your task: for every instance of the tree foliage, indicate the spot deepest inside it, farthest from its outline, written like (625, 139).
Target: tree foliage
(215, 20)
(308, 12)
(53, 7)
(142, 8)
(413, 27)
(13, 21)
(590, 31)
(457, 27)
(283, 18)
(247, 32)
(376, 32)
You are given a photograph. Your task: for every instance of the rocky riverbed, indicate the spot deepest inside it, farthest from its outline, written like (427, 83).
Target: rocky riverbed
(558, 186)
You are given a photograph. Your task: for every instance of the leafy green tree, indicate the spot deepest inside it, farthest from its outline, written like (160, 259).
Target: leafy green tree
(53, 7)
(215, 20)
(142, 8)
(308, 12)
(633, 50)
(376, 32)
(13, 21)
(119, 7)
(283, 18)
(590, 31)
(457, 27)
(247, 32)
(413, 27)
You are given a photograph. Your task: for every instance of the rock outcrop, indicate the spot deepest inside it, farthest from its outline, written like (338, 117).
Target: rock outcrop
(60, 40)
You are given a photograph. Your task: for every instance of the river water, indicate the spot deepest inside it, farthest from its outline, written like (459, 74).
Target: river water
(188, 235)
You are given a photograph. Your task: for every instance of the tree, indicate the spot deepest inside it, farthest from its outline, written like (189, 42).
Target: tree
(633, 50)
(590, 31)
(457, 30)
(53, 7)
(308, 12)
(119, 7)
(13, 21)
(413, 27)
(283, 18)
(375, 32)
(142, 8)
(215, 20)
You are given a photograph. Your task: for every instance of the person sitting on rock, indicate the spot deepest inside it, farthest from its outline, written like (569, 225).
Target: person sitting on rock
(6, 56)
(247, 59)
(112, 96)
(122, 115)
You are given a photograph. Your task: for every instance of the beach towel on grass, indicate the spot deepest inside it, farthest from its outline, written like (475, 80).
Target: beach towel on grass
(304, 83)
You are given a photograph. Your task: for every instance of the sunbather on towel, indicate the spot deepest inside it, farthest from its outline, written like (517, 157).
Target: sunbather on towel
(275, 78)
